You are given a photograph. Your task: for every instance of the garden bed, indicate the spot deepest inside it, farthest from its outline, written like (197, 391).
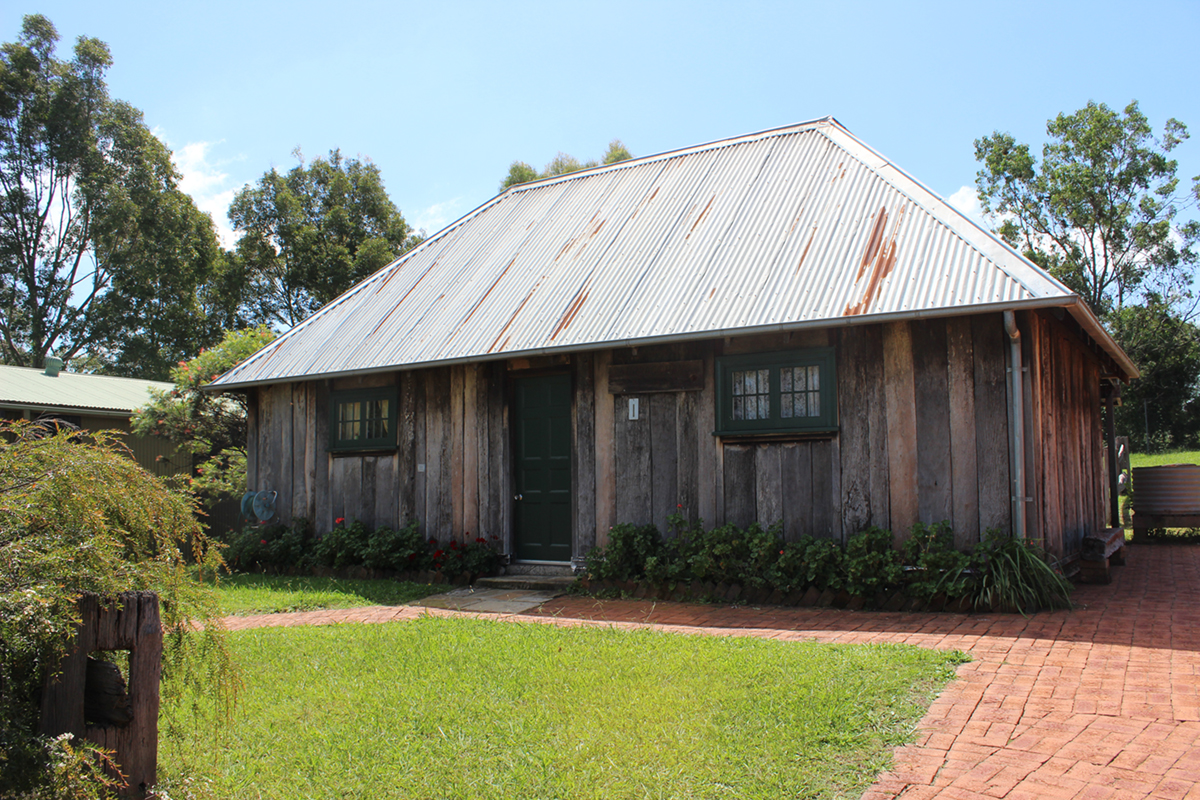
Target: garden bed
(812, 597)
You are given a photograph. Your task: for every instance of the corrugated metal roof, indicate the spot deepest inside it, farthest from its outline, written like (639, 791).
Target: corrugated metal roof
(23, 387)
(795, 227)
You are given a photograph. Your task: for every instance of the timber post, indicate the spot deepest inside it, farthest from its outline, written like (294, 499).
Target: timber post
(89, 697)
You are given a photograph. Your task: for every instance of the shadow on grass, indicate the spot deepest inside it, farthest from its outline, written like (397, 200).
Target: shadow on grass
(246, 593)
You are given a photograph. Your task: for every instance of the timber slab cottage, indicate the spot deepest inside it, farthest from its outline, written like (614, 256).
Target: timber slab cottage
(779, 327)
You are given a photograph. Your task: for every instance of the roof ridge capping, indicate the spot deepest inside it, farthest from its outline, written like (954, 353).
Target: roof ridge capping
(797, 127)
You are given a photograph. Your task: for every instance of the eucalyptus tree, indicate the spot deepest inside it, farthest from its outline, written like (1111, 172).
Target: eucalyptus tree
(561, 164)
(1100, 210)
(100, 252)
(310, 234)
(1104, 212)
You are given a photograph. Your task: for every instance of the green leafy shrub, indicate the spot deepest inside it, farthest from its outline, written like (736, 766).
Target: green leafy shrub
(824, 564)
(625, 556)
(870, 562)
(787, 572)
(78, 515)
(473, 558)
(344, 546)
(935, 566)
(398, 549)
(730, 554)
(257, 547)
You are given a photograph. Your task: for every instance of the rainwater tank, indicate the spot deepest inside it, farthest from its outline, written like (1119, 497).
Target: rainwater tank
(1169, 490)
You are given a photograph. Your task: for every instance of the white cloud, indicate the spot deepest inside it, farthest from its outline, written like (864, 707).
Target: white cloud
(437, 216)
(206, 181)
(966, 200)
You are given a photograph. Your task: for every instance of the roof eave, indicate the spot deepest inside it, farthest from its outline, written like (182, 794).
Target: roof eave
(1072, 304)
(82, 410)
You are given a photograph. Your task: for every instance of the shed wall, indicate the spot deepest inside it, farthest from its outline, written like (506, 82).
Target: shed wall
(923, 437)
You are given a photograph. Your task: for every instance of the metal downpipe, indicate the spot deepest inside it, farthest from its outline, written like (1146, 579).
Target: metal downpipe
(1016, 433)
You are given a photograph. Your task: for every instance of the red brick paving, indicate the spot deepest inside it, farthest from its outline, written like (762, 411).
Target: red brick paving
(1100, 702)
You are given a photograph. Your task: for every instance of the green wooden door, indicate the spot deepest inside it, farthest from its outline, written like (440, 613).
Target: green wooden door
(542, 489)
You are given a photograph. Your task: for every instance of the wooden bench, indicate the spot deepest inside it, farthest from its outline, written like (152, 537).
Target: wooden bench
(1099, 552)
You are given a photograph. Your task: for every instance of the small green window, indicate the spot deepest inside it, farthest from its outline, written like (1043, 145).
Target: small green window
(363, 419)
(777, 392)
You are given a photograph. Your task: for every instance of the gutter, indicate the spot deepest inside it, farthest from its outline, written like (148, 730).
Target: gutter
(1074, 305)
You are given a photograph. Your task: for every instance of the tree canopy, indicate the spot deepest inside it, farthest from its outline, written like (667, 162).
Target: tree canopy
(312, 233)
(561, 164)
(1101, 212)
(211, 426)
(99, 249)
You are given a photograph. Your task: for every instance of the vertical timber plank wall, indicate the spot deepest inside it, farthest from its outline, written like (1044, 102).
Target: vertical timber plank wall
(964, 466)
(1069, 494)
(499, 497)
(454, 451)
(922, 402)
(665, 461)
(438, 502)
(583, 452)
(991, 422)
(935, 497)
(900, 397)
(323, 522)
(606, 481)
(863, 435)
(406, 455)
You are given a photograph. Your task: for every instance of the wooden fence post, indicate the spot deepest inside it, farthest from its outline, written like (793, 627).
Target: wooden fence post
(123, 719)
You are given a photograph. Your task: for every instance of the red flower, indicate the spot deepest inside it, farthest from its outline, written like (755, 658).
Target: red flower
(412, 556)
(480, 540)
(439, 554)
(453, 545)
(339, 520)
(679, 505)
(433, 541)
(262, 541)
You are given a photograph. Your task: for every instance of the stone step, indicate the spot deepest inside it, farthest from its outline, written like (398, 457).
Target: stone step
(541, 583)
(552, 570)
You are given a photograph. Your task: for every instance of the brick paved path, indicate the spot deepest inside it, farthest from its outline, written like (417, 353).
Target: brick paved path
(1100, 702)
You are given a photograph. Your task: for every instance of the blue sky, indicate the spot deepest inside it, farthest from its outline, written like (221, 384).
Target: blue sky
(443, 96)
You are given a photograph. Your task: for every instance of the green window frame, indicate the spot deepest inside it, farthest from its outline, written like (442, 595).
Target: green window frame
(362, 419)
(792, 391)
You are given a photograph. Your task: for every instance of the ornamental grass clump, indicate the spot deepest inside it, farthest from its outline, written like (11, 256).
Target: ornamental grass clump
(1014, 574)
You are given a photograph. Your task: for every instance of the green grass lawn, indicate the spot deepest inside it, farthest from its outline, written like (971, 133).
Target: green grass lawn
(1160, 459)
(272, 594)
(468, 708)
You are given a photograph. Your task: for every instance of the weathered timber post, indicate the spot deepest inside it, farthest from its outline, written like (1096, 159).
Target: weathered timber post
(88, 698)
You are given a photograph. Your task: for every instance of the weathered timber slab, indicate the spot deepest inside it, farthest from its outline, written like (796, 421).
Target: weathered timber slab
(663, 376)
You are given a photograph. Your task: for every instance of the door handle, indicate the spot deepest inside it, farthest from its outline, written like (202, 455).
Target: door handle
(518, 497)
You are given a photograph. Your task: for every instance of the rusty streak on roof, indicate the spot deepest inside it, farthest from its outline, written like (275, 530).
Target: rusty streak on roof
(802, 226)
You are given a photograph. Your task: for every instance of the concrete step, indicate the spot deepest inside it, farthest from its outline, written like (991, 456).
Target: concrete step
(541, 583)
(543, 570)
